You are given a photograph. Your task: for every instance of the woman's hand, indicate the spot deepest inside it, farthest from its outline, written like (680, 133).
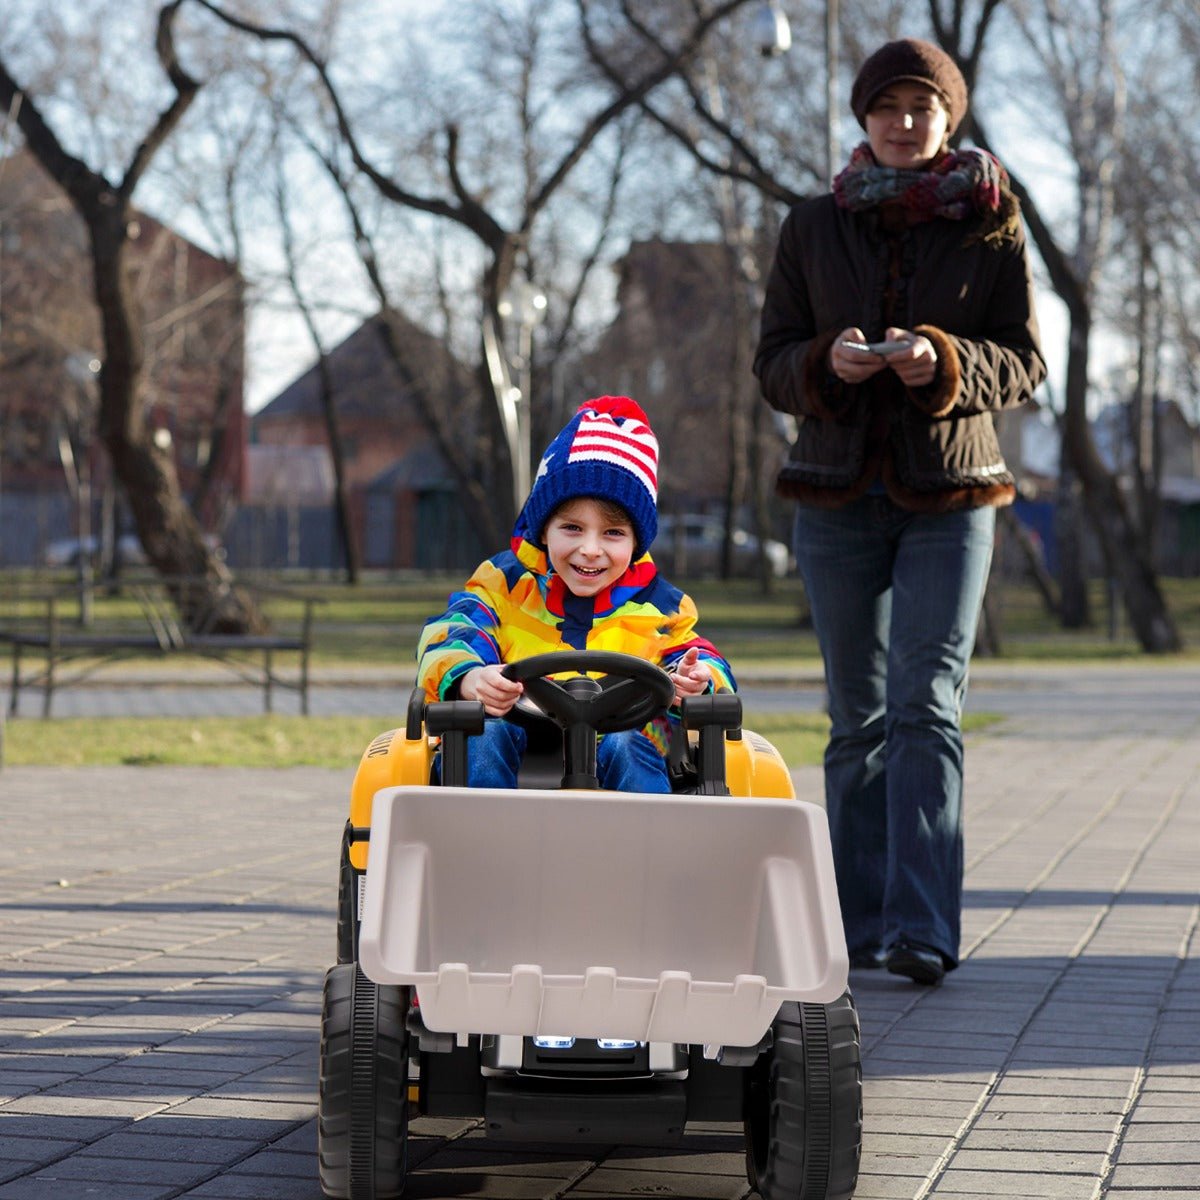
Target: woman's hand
(917, 363)
(491, 688)
(692, 677)
(853, 366)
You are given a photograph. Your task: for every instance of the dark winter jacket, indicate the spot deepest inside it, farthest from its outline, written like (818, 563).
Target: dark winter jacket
(934, 447)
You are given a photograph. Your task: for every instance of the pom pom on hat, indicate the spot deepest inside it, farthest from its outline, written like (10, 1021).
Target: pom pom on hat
(607, 450)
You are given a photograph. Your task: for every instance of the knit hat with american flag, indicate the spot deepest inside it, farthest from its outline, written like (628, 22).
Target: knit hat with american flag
(607, 450)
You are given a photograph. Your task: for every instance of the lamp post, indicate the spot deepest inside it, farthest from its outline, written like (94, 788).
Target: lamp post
(526, 303)
(831, 112)
(77, 466)
(773, 35)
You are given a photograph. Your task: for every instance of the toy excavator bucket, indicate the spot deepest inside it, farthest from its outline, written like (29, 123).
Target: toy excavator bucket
(663, 918)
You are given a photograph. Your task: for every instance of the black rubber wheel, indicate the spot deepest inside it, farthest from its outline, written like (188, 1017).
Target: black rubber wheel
(803, 1105)
(362, 1109)
(347, 904)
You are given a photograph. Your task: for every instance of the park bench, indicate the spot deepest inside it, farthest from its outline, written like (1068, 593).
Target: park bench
(51, 650)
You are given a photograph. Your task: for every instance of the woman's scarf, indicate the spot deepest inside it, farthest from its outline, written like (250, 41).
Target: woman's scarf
(959, 184)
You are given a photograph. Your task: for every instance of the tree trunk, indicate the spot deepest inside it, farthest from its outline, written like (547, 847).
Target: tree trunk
(337, 452)
(1075, 604)
(1034, 560)
(168, 531)
(1127, 559)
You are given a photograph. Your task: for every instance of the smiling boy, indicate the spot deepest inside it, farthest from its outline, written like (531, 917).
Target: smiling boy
(577, 575)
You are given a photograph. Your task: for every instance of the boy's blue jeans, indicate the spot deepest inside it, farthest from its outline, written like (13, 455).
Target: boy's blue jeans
(625, 762)
(895, 599)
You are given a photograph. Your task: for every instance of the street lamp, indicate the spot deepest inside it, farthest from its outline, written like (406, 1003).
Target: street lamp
(526, 303)
(771, 29)
(772, 34)
(82, 370)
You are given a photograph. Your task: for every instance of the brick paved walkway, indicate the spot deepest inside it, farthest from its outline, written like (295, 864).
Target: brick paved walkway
(164, 931)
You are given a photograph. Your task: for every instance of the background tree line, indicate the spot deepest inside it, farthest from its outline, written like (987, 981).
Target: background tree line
(425, 163)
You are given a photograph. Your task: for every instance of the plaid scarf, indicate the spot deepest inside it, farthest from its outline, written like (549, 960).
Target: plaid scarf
(959, 184)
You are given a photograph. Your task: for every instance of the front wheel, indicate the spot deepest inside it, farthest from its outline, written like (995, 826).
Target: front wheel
(362, 1111)
(803, 1105)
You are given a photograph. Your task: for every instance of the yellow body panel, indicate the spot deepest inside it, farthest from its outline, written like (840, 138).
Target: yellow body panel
(753, 767)
(390, 760)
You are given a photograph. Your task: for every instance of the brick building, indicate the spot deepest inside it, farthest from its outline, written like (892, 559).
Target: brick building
(191, 304)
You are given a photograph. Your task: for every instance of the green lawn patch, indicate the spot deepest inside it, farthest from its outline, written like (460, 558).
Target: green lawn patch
(287, 741)
(262, 741)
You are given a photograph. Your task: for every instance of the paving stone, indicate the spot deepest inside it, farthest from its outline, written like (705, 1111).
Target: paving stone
(1154, 1176)
(91, 1169)
(1050, 1162)
(56, 1187)
(1161, 1151)
(1016, 1183)
(611, 1181)
(136, 1142)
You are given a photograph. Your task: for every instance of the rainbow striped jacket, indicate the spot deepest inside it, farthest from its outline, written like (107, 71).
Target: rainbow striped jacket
(514, 606)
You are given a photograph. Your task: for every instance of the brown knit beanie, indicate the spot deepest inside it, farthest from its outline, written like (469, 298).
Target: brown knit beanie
(912, 60)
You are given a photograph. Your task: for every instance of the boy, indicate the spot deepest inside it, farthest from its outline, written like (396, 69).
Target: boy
(577, 576)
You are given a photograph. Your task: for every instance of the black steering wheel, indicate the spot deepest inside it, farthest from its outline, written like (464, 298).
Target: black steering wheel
(633, 691)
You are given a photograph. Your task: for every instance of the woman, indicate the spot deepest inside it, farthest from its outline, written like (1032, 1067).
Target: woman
(898, 318)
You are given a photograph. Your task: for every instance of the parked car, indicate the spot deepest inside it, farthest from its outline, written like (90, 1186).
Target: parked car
(691, 546)
(66, 552)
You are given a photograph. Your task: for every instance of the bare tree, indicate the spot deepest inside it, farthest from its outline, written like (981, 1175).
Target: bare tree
(169, 532)
(725, 120)
(326, 388)
(1155, 277)
(486, 475)
(1076, 53)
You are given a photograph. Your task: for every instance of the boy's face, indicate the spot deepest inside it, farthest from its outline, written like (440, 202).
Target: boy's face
(586, 547)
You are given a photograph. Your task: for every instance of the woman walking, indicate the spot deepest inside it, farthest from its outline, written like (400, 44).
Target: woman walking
(898, 319)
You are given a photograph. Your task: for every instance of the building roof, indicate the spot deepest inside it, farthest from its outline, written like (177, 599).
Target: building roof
(421, 469)
(367, 380)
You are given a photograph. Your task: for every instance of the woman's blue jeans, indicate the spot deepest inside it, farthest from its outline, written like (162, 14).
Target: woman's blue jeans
(625, 762)
(895, 599)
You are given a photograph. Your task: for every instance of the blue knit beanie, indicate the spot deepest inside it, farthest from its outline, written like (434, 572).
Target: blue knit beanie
(607, 450)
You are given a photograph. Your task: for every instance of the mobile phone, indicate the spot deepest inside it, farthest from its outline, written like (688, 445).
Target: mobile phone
(881, 348)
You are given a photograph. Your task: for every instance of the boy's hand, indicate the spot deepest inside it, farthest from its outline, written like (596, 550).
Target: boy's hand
(692, 677)
(489, 686)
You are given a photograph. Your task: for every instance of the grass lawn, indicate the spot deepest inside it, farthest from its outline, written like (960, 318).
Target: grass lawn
(379, 622)
(287, 741)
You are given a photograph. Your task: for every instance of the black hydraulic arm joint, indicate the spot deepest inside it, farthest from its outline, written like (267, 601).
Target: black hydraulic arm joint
(454, 721)
(713, 716)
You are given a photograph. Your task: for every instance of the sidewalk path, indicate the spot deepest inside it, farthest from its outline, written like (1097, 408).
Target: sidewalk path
(164, 931)
(1073, 696)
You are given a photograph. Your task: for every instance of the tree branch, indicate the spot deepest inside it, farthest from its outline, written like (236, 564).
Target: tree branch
(753, 173)
(1063, 277)
(633, 93)
(73, 175)
(387, 186)
(185, 92)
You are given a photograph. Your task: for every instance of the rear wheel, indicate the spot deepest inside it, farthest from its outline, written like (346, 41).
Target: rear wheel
(803, 1105)
(347, 904)
(362, 1118)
